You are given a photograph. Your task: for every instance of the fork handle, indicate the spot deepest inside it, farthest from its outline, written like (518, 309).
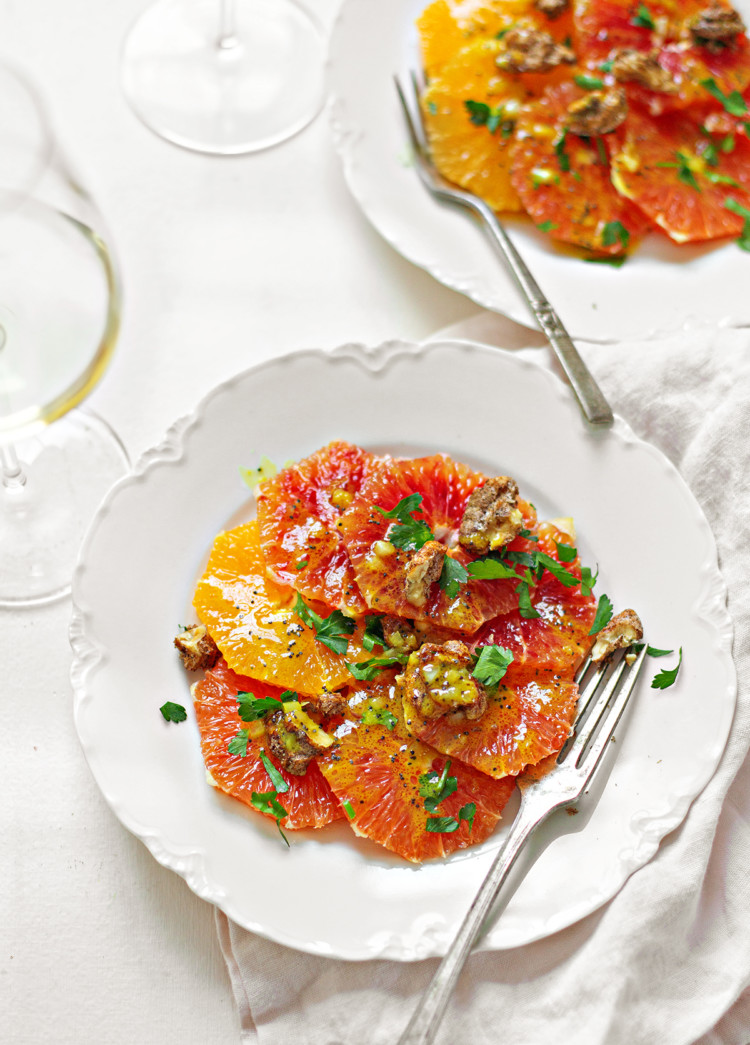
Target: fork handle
(429, 1012)
(594, 406)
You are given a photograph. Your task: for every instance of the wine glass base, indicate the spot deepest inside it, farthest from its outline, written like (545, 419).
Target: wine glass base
(227, 96)
(67, 470)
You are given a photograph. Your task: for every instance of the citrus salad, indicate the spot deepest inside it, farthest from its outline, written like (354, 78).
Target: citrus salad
(391, 642)
(600, 119)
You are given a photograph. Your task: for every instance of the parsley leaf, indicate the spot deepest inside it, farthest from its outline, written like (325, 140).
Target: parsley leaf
(684, 170)
(250, 707)
(589, 83)
(743, 240)
(468, 812)
(172, 712)
(733, 102)
(373, 634)
(348, 809)
(643, 18)
(614, 231)
(652, 651)
(490, 569)
(367, 670)
(524, 602)
(277, 779)
(410, 531)
(559, 146)
(445, 825)
(238, 745)
(301, 564)
(479, 112)
(453, 575)
(666, 678)
(566, 552)
(491, 665)
(558, 572)
(435, 788)
(588, 580)
(546, 226)
(266, 802)
(381, 717)
(603, 614)
(331, 631)
(721, 179)
(616, 261)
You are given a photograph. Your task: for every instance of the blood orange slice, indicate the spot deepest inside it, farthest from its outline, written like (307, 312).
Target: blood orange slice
(309, 802)
(375, 773)
(525, 721)
(678, 176)
(444, 487)
(564, 180)
(252, 620)
(297, 512)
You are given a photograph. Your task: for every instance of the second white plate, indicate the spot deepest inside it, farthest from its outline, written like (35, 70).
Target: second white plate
(659, 288)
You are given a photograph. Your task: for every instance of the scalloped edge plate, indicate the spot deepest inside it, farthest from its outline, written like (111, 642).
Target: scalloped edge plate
(331, 893)
(373, 40)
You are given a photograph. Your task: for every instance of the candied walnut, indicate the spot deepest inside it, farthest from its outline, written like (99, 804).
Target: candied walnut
(642, 67)
(198, 650)
(438, 680)
(598, 112)
(552, 8)
(328, 703)
(290, 745)
(623, 630)
(491, 517)
(716, 24)
(399, 634)
(422, 571)
(532, 51)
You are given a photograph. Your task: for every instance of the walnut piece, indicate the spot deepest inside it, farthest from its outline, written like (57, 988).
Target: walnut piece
(552, 8)
(623, 630)
(198, 651)
(290, 745)
(491, 517)
(423, 569)
(642, 67)
(716, 24)
(438, 680)
(330, 703)
(532, 51)
(598, 112)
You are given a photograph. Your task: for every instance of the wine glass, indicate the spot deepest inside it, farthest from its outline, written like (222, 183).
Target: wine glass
(225, 76)
(59, 319)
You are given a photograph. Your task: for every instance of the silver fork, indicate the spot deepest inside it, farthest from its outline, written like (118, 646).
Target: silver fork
(593, 405)
(605, 692)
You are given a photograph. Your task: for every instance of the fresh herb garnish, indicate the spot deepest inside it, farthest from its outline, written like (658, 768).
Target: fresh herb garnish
(559, 146)
(331, 631)
(172, 712)
(373, 634)
(492, 664)
(558, 572)
(666, 678)
(490, 569)
(546, 226)
(643, 18)
(301, 564)
(277, 779)
(410, 531)
(743, 240)
(483, 115)
(453, 575)
(588, 580)
(448, 824)
(238, 745)
(250, 707)
(379, 716)
(684, 170)
(348, 809)
(616, 261)
(721, 179)
(367, 670)
(614, 231)
(525, 607)
(266, 802)
(652, 651)
(733, 102)
(727, 144)
(606, 67)
(566, 552)
(603, 614)
(436, 787)
(589, 83)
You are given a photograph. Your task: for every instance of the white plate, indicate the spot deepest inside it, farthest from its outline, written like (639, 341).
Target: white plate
(660, 286)
(332, 893)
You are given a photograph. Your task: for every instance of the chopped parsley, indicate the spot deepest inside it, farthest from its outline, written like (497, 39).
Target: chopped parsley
(373, 634)
(615, 261)
(301, 564)
(743, 240)
(559, 146)
(435, 787)
(733, 102)
(558, 572)
(410, 531)
(525, 607)
(566, 552)
(589, 83)
(588, 580)
(331, 631)
(267, 802)
(278, 781)
(614, 231)
(453, 575)
(447, 824)
(172, 712)
(491, 665)
(238, 745)
(348, 809)
(684, 170)
(667, 678)
(643, 18)
(367, 670)
(490, 568)
(381, 717)
(250, 707)
(603, 614)
(547, 226)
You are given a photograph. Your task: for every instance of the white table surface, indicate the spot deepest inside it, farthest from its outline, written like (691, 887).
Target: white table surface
(226, 262)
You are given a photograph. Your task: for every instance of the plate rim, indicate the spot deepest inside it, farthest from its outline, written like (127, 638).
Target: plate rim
(187, 861)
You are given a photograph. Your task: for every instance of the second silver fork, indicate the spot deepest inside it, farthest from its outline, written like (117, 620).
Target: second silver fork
(594, 406)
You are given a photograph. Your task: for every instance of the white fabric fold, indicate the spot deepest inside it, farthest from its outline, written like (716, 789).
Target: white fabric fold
(667, 961)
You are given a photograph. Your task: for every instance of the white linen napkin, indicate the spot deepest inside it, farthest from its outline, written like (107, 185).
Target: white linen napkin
(666, 962)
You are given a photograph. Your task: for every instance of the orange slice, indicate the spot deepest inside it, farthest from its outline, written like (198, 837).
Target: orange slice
(376, 771)
(251, 619)
(309, 802)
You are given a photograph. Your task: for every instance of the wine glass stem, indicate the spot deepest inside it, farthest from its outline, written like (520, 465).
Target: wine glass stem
(228, 25)
(14, 476)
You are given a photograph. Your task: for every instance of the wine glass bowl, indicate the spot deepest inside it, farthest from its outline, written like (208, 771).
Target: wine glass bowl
(59, 320)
